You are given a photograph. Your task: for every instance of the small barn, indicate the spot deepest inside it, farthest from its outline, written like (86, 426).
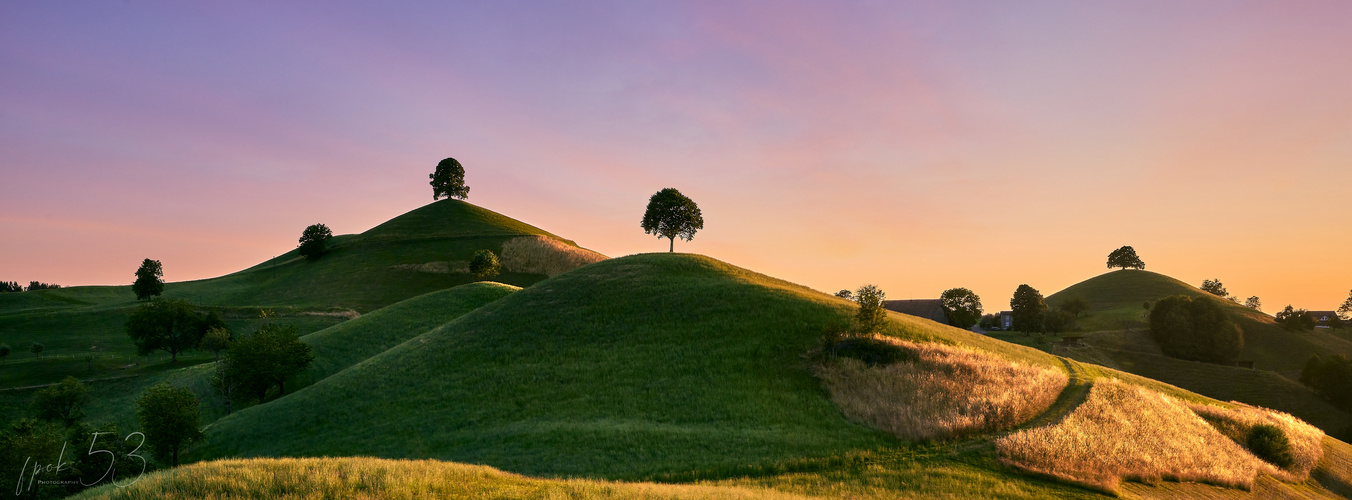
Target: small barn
(932, 309)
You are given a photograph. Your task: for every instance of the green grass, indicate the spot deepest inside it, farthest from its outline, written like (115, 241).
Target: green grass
(628, 368)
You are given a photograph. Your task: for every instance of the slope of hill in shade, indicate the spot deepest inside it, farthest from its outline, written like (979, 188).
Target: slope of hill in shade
(1119, 339)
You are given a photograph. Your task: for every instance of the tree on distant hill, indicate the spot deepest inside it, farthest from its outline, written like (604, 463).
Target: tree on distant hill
(62, 402)
(1028, 308)
(871, 316)
(168, 416)
(1345, 310)
(1295, 319)
(962, 306)
(449, 180)
(484, 265)
(4, 352)
(313, 240)
(845, 294)
(1214, 287)
(149, 280)
(10, 286)
(1124, 258)
(169, 325)
(1075, 306)
(36, 348)
(1195, 328)
(267, 358)
(671, 214)
(34, 286)
(1254, 303)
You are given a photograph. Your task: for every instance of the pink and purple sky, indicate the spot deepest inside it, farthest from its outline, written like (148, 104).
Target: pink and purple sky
(918, 146)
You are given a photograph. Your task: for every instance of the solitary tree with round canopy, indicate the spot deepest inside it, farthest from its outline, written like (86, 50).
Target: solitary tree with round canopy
(449, 180)
(1125, 257)
(149, 280)
(671, 214)
(962, 306)
(313, 240)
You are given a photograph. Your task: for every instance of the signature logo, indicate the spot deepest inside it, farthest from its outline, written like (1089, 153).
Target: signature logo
(30, 475)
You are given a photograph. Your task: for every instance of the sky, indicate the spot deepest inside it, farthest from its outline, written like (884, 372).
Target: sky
(917, 146)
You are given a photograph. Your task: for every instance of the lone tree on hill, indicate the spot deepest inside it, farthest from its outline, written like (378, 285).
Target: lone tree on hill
(313, 240)
(1295, 319)
(449, 180)
(36, 348)
(1125, 257)
(671, 214)
(871, 315)
(62, 401)
(845, 294)
(1195, 328)
(169, 325)
(1028, 309)
(149, 280)
(1214, 287)
(962, 306)
(484, 265)
(1254, 303)
(216, 339)
(1345, 310)
(168, 416)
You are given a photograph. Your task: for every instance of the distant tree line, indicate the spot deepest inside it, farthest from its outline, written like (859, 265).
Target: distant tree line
(1330, 378)
(13, 286)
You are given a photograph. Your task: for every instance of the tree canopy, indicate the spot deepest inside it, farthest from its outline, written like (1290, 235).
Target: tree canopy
(1195, 328)
(871, 315)
(168, 416)
(149, 280)
(267, 358)
(671, 214)
(1028, 309)
(1294, 319)
(962, 306)
(1345, 310)
(313, 240)
(1214, 287)
(484, 265)
(169, 325)
(62, 402)
(449, 180)
(1124, 258)
(1075, 305)
(1253, 302)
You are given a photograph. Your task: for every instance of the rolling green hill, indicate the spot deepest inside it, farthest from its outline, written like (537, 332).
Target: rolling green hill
(656, 367)
(1120, 339)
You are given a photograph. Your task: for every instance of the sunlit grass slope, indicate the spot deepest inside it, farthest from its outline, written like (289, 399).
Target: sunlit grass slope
(363, 478)
(1116, 310)
(626, 368)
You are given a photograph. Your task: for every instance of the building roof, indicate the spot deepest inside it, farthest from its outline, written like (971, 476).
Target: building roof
(1319, 315)
(932, 309)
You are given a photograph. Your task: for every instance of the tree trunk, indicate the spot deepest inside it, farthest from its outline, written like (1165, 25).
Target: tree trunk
(175, 456)
(672, 248)
(173, 356)
(281, 388)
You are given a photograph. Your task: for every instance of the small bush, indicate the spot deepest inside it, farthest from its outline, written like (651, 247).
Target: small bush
(1270, 444)
(871, 351)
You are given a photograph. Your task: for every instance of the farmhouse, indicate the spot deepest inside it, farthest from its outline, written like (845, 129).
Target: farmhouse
(932, 309)
(1324, 318)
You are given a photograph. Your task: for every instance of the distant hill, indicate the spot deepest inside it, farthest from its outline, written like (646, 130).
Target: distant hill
(1120, 339)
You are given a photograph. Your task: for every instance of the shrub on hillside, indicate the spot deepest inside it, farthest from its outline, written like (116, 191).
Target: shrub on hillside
(1195, 329)
(871, 315)
(1270, 444)
(484, 265)
(1276, 437)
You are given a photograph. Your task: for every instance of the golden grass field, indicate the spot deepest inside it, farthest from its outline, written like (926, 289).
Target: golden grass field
(537, 254)
(1237, 422)
(1127, 432)
(363, 478)
(945, 392)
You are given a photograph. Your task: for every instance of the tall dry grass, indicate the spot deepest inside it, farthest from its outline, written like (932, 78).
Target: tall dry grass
(372, 478)
(1127, 432)
(943, 392)
(1236, 423)
(544, 255)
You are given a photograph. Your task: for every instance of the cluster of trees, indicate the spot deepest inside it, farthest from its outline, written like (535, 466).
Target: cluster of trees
(1330, 378)
(91, 455)
(1196, 329)
(13, 286)
(1032, 314)
(169, 325)
(255, 364)
(1295, 320)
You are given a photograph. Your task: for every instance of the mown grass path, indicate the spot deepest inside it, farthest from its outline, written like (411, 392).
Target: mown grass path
(1071, 397)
